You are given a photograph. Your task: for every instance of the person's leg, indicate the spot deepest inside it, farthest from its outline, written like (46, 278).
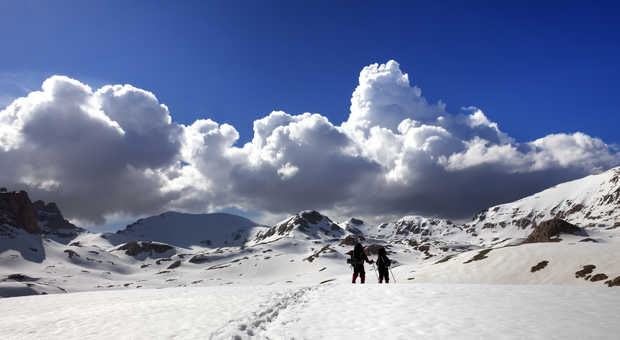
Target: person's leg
(362, 274)
(380, 275)
(386, 274)
(356, 271)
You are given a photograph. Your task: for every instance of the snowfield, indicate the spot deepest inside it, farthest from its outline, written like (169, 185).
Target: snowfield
(329, 311)
(543, 267)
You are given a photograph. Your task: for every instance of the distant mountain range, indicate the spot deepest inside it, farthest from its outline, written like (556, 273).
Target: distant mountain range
(567, 234)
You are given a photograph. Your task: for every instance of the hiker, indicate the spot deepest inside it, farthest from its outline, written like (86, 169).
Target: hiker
(383, 265)
(358, 256)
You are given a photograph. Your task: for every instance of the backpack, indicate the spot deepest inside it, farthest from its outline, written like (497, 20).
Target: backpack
(357, 255)
(355, 259)
(383, 261)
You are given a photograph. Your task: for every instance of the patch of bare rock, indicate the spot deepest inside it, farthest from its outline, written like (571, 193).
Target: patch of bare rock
(587, 269)
(480, 256)
(136, 248)
(550, 230)
(445, 259)
(539, 266)
(174, 264)
(598, 277)
(613, 283)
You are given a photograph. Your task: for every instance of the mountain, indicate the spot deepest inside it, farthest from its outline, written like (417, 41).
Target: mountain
(592, 202)
(18, 211)
(189, 230)
(307, 224)
(567, 234)
(564, 235)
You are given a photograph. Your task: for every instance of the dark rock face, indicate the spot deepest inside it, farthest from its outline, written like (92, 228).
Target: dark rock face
(137, 247)
(480, 256)
(356, 221)
(51, 214)
(16, 209)
(587, 269)
(598, 277)
(198, 259)
(326, 249)
(613, 283)
(548, 229)
(20, 278)
(539, 266)
(174, 264)
(71, 253)
(311, 216)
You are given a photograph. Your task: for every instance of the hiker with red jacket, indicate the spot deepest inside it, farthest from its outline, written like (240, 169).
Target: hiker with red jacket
(358, 256)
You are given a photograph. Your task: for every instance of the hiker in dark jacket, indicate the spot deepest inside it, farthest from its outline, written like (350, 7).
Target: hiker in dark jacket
(358, 256)
(383, 265)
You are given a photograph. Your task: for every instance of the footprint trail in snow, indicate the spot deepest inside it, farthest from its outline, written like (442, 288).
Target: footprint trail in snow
(257, 322)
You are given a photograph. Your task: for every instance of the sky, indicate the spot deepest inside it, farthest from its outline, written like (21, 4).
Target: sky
(496, 101)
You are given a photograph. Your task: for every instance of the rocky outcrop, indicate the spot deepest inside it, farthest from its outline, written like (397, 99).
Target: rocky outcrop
(136, 248)
(174, 264)
(550, 230)
(309, 222)
(52, 221)
(17, 210)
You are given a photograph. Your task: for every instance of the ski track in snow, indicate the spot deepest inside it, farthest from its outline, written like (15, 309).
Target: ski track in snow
(257, 322)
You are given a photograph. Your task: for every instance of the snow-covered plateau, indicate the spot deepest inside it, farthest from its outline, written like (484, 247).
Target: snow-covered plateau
(329, 311)
(543, 267)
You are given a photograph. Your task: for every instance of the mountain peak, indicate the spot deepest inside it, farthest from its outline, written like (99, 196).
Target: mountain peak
(310, 223)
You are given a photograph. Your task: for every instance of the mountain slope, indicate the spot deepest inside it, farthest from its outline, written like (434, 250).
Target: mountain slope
(179, 250)
(589, 202)
(187, 230)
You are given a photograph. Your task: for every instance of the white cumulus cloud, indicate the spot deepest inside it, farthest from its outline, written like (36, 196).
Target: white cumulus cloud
(116, 150)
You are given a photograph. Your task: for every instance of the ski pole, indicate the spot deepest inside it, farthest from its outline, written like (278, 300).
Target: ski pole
(393, 277)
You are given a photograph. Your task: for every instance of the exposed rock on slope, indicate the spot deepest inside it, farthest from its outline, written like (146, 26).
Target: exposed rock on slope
(17, 210)
(552, 228)
(145, 248)
(52, 222)
(592, 201)
(309, 223)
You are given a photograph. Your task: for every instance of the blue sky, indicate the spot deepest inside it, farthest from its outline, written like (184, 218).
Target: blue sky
(535, 69)
(538, 71)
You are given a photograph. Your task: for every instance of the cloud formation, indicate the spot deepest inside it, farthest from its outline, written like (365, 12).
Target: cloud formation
(116, 150)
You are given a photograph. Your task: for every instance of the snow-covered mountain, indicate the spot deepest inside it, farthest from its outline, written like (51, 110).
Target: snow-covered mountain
(188, 230)
(592, 202)
(41, 252)
(308, 224)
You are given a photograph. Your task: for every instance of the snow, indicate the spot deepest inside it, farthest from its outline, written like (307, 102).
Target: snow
(332, 311)
(187, 230)
(512, 265)
(251, 281)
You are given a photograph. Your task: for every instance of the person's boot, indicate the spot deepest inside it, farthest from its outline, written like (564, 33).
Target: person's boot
(354, 278)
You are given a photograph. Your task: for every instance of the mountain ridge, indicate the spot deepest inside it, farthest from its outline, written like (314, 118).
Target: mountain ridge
(178, 249)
